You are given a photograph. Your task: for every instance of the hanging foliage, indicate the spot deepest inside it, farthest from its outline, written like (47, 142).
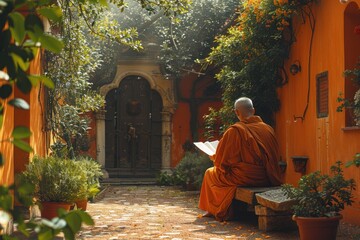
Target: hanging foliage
(252, 54)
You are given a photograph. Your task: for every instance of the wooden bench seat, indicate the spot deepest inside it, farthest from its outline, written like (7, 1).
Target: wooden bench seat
(271, 206)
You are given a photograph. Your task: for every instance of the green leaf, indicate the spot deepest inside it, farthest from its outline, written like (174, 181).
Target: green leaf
(19, 61)
(46, 81)
(103, 3)
(73, 221)
(32, 22)
(86, 218)
(58, 223)
(46, 235)
(22, 145)
(17, 26)
(19, 103)
(21, 132)
(52, 13)
(69, 235)
(6, 202)
(1, 119)
(51, 43)
(2, 160)
(5, 91)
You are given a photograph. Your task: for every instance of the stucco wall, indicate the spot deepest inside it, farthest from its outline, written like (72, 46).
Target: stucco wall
(323, 140)
(16, 159)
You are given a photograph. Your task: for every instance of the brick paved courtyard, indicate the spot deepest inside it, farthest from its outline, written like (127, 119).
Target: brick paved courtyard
(154, 212)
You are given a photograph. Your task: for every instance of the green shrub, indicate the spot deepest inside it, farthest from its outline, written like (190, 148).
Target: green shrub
(189, 171)
(92, 170)
(321, 195)
(56, 180)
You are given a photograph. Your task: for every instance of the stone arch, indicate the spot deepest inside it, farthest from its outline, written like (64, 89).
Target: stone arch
(150, 72)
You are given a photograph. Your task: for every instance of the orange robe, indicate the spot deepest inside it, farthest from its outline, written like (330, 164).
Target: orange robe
(247, 155)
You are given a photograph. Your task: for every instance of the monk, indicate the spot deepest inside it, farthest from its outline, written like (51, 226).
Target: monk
(247, 155)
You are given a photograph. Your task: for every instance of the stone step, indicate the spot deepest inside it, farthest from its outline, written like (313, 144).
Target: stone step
(129, 181)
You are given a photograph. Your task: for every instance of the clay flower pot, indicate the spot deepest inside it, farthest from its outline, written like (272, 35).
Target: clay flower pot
(81, 204)
(315, 228)
(49, 209)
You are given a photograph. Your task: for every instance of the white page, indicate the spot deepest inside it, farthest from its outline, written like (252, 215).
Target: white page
(210, 146)
(214, 144)
(204, 148)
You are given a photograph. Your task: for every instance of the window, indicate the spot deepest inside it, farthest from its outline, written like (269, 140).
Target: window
(322, 95)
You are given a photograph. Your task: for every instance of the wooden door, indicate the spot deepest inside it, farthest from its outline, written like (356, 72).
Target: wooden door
(133, 129)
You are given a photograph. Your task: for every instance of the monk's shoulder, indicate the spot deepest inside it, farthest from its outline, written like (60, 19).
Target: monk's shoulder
(237, 129)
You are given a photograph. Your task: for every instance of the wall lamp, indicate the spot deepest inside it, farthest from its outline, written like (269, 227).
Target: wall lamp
(282, 165)
(295, 67)
(343, 1)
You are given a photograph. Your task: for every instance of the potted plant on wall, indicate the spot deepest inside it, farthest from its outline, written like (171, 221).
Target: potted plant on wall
(58, 183)
(320, 198)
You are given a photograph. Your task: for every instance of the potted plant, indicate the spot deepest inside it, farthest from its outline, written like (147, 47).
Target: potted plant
(58, 183)
(93, 173)
(320, 198)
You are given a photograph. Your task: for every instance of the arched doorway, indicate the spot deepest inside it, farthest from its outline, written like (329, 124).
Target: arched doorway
(133, 129)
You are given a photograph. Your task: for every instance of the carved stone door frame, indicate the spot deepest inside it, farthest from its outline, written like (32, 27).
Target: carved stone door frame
(150, 72)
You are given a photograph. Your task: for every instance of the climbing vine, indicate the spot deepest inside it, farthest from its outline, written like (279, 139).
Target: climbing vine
(252, 55)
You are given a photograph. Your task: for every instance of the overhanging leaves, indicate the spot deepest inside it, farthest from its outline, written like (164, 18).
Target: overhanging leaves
(2, 161)
(17, 26)
(35, 79)
(22, 145)
(19, 103)
(51, 43)
(52, 13)
(21, 132)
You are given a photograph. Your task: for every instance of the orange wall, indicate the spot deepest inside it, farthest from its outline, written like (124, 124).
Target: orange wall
(38, 139)
(323, 140)
(6, 148)
(92, 136)
(181, 132)
(34, 119)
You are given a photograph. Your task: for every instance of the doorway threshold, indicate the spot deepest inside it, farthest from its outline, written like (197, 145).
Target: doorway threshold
(129, 181)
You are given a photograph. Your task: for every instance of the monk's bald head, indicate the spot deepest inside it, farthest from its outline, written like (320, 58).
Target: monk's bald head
(244, 107)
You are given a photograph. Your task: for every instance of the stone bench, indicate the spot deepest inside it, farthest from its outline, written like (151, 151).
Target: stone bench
(270, 205)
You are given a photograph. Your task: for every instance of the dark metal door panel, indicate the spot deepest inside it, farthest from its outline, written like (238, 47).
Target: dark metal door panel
(136, 129)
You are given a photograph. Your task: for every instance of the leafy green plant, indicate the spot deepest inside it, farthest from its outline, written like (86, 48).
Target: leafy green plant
(355, 161)
(321, 195)
(69, 223)
(353, 104)
(56, 180)
(22, 36)
(189, 171)
(71, 128)
(252, 53)
(92, 170)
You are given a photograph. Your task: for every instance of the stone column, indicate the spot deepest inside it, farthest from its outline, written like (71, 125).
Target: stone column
(100, 139)
(166, 141)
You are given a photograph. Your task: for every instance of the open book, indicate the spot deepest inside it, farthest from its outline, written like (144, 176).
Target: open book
(207, 147)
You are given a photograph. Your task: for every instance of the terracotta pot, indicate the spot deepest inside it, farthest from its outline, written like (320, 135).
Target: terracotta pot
(317, 228)
(81, 204)
(49, 209)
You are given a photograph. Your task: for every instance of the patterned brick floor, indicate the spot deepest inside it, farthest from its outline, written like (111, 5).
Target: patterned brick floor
(154, 212)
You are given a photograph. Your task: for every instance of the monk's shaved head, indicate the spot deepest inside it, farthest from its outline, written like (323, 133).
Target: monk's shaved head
(245, 106)
(243, 103)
